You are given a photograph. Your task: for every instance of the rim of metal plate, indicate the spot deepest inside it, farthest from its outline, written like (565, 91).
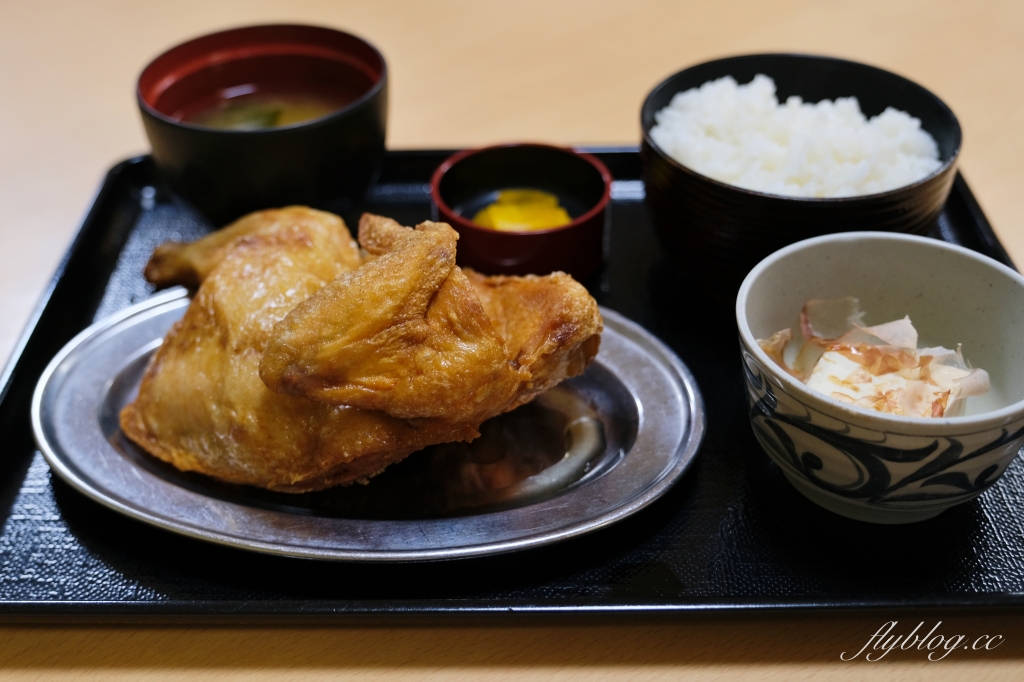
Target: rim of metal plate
(71, 391)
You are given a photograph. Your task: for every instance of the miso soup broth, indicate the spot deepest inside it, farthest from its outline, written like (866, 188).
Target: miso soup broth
(253, 109)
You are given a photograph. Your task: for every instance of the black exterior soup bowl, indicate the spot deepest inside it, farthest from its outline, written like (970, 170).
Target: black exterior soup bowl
(719, 232)
(326, 161)
(471, 179)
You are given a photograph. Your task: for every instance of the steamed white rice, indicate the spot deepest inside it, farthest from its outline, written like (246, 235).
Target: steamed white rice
(741, 135)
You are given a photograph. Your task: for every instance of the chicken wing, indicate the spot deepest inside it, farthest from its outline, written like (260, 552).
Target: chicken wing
(407, 333)
(404, 334)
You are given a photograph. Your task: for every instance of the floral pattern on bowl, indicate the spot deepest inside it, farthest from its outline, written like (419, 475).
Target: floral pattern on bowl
(880, 476)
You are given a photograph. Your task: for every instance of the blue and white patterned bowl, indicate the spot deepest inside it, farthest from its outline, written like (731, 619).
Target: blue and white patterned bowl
(864, 464)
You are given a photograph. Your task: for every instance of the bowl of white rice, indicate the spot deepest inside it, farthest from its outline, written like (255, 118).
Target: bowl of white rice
(745, 155)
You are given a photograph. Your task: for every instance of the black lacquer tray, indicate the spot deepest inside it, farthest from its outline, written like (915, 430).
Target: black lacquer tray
(732, 535)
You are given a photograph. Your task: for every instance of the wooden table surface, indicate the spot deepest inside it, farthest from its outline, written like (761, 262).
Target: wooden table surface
(468, 73)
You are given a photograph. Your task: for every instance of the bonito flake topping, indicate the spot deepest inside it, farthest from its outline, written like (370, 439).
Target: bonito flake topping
(878, 368)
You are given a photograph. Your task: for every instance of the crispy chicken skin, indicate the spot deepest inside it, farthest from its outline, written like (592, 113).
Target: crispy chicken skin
(411, 334)
(551, 326)
(370, 357)
(404, 334)
(202, 406)
(189, 264)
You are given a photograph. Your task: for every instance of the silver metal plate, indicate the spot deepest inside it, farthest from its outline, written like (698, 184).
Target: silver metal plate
(637, 407)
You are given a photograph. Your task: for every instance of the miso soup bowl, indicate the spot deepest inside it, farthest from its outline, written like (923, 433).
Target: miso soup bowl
(718, 232)
(863, 464)
(324, 162)
(469, 180)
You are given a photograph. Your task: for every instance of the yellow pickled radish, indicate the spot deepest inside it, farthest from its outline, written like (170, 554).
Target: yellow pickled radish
(523, 209)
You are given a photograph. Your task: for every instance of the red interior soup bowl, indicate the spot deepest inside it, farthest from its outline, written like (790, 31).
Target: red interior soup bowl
(266, 116)
(473, 179)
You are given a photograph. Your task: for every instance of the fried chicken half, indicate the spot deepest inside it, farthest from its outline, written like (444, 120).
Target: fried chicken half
(302, 363)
